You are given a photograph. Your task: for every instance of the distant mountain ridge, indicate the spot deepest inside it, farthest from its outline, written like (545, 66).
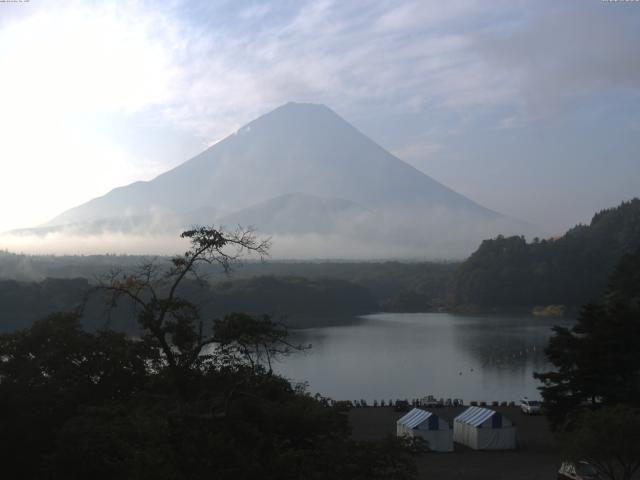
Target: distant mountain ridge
(299, 168)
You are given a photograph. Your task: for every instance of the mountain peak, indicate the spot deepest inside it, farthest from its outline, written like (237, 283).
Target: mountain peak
(302, 106)
(293, 114)
(305, 148)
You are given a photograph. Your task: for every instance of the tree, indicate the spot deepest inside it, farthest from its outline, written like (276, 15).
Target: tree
(166, 318)
(570, 270)
(609, 439)
(597, 360)
(243, 339)
(48, 372)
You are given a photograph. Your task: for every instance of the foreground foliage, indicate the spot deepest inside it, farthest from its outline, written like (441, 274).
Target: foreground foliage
(593, 396)
(81, 405)
(609, 439)
(191, 398)
(597, 360)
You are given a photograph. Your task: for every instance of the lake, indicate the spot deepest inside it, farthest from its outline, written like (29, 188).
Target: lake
(390, 355)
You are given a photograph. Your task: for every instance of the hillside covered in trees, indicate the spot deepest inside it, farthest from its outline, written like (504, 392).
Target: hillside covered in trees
(509, 272)
(299, 293)
(296, 301)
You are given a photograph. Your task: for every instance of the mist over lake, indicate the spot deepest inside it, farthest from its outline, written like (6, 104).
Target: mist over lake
(397, 355)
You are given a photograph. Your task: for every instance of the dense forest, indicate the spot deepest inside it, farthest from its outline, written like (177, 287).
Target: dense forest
(295, 301)
(299, 294)
(571, 270)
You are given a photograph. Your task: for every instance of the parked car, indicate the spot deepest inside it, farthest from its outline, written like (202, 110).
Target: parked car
(530, 407)
(577, 471)
(429, 401)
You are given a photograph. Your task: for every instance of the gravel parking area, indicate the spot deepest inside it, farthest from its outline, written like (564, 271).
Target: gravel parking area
(536, 458)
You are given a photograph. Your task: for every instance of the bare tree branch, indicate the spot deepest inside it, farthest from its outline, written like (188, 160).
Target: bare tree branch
(152, 289)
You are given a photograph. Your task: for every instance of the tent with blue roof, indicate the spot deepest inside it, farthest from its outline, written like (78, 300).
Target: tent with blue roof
(484, 429)
(421, 423)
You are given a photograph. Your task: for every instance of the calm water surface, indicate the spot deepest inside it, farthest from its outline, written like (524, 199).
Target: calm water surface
(390, 355)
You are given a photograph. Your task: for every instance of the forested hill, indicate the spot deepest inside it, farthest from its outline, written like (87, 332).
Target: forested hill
(317, 291)
(571, 270)
(298, 302)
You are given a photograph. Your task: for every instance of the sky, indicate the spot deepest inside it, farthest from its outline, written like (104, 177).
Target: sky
(530, 108)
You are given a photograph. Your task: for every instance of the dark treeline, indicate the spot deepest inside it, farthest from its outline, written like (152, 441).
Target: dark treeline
(298, 293)
(33, 268)
(593, 391)
(295, 301)
(597, 360)
(383, 278)
(24, 302)
(291, 297)
(571, 270)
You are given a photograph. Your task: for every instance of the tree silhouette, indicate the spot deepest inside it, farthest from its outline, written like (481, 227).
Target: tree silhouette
(166, 318)
(597, 360)
(609, 439)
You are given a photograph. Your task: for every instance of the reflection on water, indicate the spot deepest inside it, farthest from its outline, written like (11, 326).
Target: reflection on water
(386, 356)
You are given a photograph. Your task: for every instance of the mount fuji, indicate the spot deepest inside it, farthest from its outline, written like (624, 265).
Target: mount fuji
(303, 174)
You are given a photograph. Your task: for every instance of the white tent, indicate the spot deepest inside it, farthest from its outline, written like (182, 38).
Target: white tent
(435, 430)
(484, 429)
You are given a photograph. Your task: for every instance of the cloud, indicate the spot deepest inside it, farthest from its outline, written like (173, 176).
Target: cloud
(63, 243)
(209, 69)
(405, 55)
(255, 12)
(205, 68)
(510, 122)
(434, 233)
(421, 149)
(424, 15)
(564, 54)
